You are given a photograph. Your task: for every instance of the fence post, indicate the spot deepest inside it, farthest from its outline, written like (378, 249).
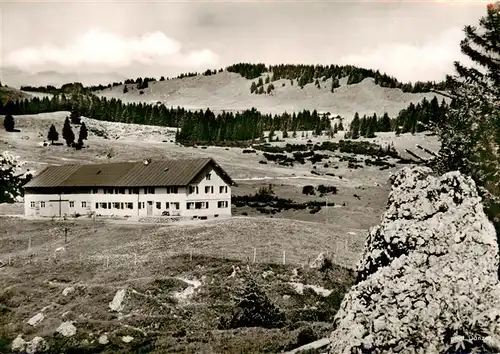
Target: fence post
(254, 254)
(107, 261)
(284, 257)
(135, 259)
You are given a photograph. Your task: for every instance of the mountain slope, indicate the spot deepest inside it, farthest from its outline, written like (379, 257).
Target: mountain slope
(229, 91)
(12, 94)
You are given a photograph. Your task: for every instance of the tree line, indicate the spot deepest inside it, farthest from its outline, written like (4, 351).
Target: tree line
(206, 126)
(414, 119)
(305, 74)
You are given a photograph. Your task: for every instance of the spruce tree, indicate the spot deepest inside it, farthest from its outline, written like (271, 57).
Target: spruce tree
(83, 133)
(470, 132)
(354, 128)
(385, 123)
(53, 135)
(67, 132)
(9, 123)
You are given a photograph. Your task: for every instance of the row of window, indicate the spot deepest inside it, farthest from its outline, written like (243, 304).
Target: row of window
(141, 205)
(71, 204)
(151, 190)
(208, 189)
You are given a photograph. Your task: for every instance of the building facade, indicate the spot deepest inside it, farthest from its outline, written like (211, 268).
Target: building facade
(194, 188)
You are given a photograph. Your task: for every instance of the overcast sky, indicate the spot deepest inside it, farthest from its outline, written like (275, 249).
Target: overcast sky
(410, 40)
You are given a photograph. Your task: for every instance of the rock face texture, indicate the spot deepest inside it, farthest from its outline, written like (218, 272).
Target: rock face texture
(428, 278)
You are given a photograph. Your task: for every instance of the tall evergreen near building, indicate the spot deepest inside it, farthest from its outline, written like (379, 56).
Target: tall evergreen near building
(470, 132)
(67, 132)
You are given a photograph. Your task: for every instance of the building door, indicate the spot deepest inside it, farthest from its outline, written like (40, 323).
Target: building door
(150, 208)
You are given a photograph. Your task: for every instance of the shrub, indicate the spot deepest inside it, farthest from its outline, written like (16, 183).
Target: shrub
(308, 190)
(253, 309)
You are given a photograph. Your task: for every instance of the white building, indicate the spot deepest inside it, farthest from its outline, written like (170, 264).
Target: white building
(195, 188)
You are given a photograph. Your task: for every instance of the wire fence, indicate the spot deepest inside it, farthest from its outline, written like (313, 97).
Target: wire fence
(340, 254)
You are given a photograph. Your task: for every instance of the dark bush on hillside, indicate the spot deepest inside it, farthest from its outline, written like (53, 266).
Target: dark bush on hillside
(308, 190)
(306, 336)
(253, 309)
(366, 148)
(322, 189)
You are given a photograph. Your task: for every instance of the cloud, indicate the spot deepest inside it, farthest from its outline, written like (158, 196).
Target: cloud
(98, 49)
(412, 62)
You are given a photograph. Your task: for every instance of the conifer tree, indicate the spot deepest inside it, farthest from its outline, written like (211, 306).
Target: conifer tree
(470, 134)
(354, 128)
(67, 132)
(385, 123)
(83, 133)
(53, 135)
(9, 123)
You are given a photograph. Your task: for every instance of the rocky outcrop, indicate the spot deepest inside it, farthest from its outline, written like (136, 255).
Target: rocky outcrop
(427, 281)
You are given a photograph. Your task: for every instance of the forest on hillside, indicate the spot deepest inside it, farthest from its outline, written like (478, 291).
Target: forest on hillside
(305, 74)
(301, 74)
(206, 127)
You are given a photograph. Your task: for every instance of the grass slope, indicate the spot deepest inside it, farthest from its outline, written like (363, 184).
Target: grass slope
(159, 310)
(229, 91)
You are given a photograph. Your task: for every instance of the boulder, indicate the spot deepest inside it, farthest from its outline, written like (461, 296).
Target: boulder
(428, 278)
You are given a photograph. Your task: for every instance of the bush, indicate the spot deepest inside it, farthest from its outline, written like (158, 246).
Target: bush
(253, 309)
(306, 336)
(308, 190)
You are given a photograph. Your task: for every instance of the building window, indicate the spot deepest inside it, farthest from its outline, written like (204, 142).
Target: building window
(122, 190)
(97, 205)
(172, 190)
(71, 204)
(109, 205)
(129, 205)
(84, 204)
(190, 205)
(223, 189)
(140, 205)
(158, 205)
(176, 205)
(104, 205)
(95, 190)
(32, 204)
(201, 205)
(222, 204)
(209, 189)
(42, 204)
(208, 176)
(149, 190)
(193, 189)
(166, 205)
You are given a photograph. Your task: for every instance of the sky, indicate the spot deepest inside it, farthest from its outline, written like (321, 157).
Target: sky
(95, 41)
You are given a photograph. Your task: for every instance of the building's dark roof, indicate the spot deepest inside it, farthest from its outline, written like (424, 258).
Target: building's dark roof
(126, 174)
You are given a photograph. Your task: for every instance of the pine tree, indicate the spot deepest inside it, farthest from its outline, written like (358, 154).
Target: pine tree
(75, 116)
(83, 133)
(354, 128)
(125, 89)
(9, 123)
(53, 135)
(362, 126)
(335, 84)
(253, 87)
(385, 123)
(470, 134)
(67, 132)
